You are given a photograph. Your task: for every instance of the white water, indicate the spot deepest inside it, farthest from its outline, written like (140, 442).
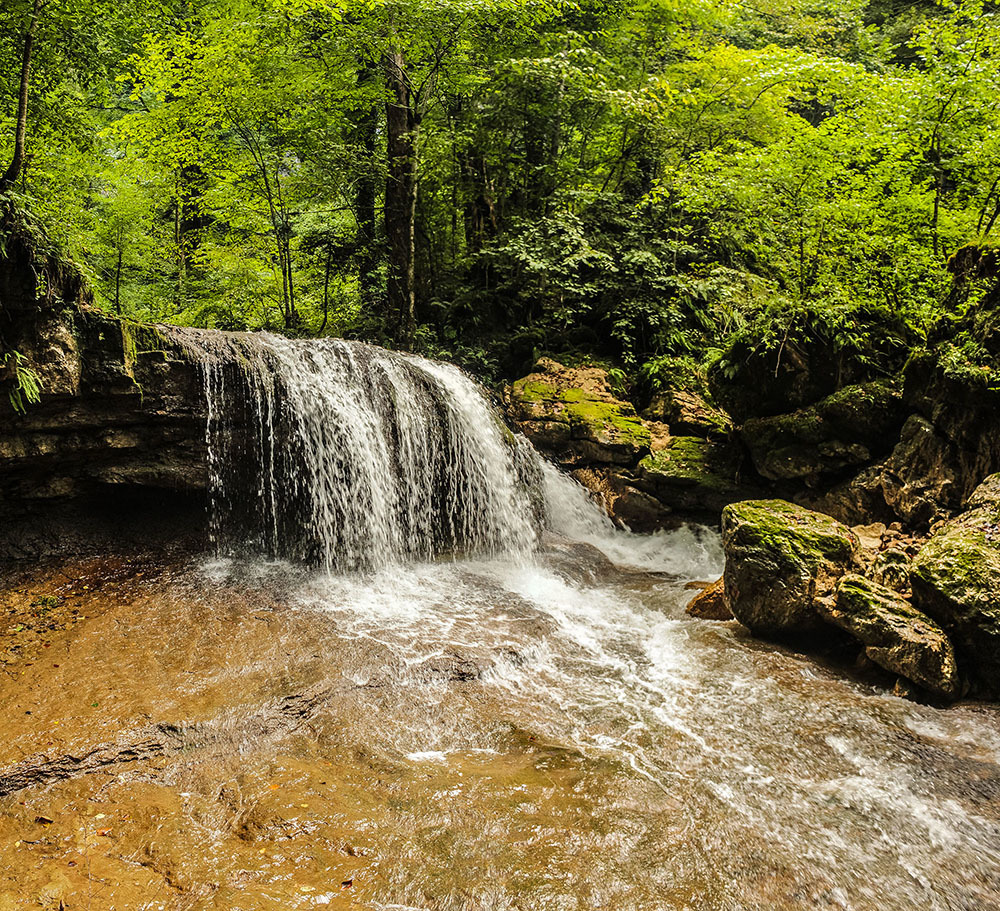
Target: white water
(346, 455)
(713, 772)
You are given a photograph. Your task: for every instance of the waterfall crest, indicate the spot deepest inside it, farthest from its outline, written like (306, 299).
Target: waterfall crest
(349, 456)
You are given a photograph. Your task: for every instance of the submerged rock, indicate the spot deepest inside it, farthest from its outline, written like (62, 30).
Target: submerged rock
(711, 602)
(896, 635)
(781, 558)
(573, 413)
(956, 580)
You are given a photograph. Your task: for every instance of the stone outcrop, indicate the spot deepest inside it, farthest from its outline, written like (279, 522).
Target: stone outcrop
(843, 430)
(687, 413)
(692, 474)
(780, 560)
(643, 470)
(956, 580)
(894, 634)
(573, 413)
(120, 425)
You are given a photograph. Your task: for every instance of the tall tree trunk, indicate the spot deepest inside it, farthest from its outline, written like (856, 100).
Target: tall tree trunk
(366, 198)
(402, 124)
(14, 169)
(118, 277)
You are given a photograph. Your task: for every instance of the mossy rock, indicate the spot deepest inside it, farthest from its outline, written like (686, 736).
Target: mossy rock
(843, 430)
(780, 559)
(573, 413)
(956, 580)
(688, 413)
(692, 473)
(895, 635)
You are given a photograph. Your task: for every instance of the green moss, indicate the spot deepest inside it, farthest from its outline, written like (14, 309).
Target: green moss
(800, 537)
(628, 428)
(535, 391)
(688, 459)
(862, 597)
(583, 410)
(963, 562)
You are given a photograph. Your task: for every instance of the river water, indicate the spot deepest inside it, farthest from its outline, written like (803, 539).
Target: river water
(534, 724)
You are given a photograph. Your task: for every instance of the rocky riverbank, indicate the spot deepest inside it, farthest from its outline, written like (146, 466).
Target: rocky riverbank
(866, 513)
(863, 515)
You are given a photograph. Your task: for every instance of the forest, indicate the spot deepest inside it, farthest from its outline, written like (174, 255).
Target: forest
(500, 455)
(655, 185)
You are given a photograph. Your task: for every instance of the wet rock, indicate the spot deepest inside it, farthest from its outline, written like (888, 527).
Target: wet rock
(693, 474)
(956, 580)
(841, 431)
(615, 489)
(919, 480)
(711, 603)
(896, 635)
(574, 414)
(688, 414)
(576, 560)
(780, 559)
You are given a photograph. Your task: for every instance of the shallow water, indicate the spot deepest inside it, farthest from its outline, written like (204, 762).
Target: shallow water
(551, 733)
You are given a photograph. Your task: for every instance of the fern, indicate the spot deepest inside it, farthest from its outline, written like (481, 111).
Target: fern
(26, 388)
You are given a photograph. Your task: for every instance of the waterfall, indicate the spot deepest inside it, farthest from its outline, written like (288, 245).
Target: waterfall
(349, 456)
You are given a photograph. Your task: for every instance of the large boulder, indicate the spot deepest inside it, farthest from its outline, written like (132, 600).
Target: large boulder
(841, 431)
(956, 580)
(692, 474)
(920, 479)
(688, 413)
(781, 559)
(896, 635)
(573, 413)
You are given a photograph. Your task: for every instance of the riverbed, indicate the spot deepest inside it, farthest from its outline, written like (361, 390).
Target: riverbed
(542, 732)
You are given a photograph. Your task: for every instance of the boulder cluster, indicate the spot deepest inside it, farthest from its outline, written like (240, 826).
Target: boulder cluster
(861, 520)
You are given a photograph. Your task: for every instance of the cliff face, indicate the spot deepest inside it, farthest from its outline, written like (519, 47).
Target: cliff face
(116, 444)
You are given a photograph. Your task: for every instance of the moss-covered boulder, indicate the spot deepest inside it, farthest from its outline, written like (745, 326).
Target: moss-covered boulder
(573, 414)
(780, 559)
(956, 580)
(843, 430)
(693, 474)
(895, 635)
(688, 413)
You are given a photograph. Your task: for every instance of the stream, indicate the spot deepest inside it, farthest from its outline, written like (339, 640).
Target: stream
(425, 671)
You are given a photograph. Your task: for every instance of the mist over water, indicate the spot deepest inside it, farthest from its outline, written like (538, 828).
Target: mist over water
(689, 766)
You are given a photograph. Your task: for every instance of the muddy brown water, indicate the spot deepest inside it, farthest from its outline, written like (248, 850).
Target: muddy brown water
(545, 734)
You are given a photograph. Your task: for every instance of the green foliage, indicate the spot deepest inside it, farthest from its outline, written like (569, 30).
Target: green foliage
(651, 184)
(24, 385)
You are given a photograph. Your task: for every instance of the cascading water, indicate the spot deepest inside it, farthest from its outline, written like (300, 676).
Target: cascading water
(551, 732)
(348, 456)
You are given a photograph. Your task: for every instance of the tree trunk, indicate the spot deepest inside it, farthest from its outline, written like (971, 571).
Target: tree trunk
(118, 279)
(366, 197)
(14, 169)
(401, 201)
